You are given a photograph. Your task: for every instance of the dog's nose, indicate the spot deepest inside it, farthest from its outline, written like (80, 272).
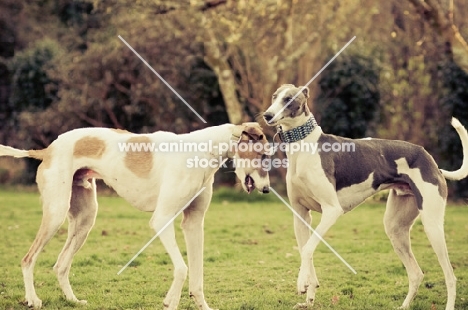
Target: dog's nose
(266, 189)
(268, 116)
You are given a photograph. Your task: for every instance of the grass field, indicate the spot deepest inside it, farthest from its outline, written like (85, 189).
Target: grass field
(251, 261)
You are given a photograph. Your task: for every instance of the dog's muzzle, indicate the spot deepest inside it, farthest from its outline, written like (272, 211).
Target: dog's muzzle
(249, 183)
(268, 116)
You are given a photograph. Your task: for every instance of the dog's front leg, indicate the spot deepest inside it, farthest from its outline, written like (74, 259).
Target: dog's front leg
(192, 226)
(167, 237)
(302, 233)
(306, 281)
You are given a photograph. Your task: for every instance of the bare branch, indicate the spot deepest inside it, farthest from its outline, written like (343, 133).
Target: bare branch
(302, 48)
(212, 4)
(432, 12)
(205, 5)
(450, 12)
(112, 116)
(438, 15)
(89, 120)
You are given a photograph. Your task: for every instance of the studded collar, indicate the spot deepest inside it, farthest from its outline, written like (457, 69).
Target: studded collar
(298, 133)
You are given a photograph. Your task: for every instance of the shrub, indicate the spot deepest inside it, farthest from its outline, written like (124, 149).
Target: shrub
(454, 100)
(32, 88)
(4, 175)
(349, 97)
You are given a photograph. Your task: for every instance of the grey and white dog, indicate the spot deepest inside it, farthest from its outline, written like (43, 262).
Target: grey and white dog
(334, 183)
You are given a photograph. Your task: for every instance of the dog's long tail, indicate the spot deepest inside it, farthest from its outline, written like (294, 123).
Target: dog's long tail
(10, 151)
(463, 171)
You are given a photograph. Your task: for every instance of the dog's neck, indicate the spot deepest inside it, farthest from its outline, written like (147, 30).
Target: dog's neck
(298, 129)
(296, 121)
(219, 135)
(214, 136)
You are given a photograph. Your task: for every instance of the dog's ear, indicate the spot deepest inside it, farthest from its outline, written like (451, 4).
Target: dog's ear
(253, 131)
(305, 91)
(305, 107)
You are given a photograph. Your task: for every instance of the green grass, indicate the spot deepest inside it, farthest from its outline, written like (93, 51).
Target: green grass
(250, 258)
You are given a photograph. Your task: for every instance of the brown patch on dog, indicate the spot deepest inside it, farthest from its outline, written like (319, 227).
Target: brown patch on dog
(89, 147)
(140, 163)
(254, 131)
(43, 154)
(120, 131)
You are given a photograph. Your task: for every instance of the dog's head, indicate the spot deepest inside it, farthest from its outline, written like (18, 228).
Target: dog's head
(251, 158)
(288, 103)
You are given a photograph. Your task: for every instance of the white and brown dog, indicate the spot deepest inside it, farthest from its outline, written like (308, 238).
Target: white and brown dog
(334, 183)
(151, 181)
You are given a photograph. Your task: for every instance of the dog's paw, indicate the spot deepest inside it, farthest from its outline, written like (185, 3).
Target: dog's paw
(170, 304)
(76, 300)
(172, 299)
(303, 306)
(199, 299)
(34, 303)
(81, 302)
(200, 302)
(302, 283)
(204, 307)
(302, 289)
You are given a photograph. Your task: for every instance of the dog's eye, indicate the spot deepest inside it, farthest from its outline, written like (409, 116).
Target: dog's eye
(287, 99)
(274, 97)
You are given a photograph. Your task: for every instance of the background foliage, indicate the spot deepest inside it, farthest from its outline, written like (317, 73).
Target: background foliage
(348, 93)
(62, 66)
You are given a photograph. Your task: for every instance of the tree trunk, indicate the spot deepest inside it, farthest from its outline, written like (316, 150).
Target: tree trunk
(227, 84)
(216, 59)
(433, 13)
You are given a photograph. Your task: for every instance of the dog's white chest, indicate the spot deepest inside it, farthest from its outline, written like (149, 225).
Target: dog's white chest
(307, 179)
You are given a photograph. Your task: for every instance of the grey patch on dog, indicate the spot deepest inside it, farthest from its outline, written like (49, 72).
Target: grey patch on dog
(344, 169)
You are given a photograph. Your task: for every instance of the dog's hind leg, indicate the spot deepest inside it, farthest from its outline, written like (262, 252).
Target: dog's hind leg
(400, 215)
(192, 226)
(432, 217)
(56, 202)
(81, 218)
